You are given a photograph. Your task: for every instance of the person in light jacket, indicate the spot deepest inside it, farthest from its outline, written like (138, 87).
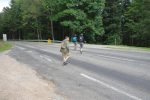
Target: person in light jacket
(65, 50)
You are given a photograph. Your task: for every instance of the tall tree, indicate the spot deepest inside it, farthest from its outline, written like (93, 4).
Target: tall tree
(83, 16)
(31, 12)
(137, 26)
(111, 20)
(16, 18)
(50, 8)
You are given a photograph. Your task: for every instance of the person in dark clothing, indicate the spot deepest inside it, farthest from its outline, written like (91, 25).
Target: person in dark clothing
(81, 42)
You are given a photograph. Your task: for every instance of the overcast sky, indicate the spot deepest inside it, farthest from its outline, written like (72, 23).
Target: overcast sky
(4, 3)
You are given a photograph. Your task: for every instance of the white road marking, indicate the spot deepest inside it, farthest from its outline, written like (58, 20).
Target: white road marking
(44, 50)
(20, 47)
(111, 87)
(46, 57)
(38, 48)
(30, 46)
(118, 58)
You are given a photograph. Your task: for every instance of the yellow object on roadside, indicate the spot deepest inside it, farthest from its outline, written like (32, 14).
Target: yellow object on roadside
(49, 41)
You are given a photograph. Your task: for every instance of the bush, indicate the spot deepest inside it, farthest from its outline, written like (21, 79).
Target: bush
(114, 40)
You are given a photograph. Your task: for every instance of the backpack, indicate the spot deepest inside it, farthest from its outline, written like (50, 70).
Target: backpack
(81, 39)
(74, 39)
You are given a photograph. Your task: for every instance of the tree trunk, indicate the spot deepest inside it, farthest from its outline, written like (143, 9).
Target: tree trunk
(52, 30)
(38, 34)
(19, 34)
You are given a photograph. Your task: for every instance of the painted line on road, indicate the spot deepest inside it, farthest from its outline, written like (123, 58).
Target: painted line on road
(20, 47)
(131, 60)
(38, 48)
(30, 46)
(46, 57)
(111, 87)
(44, 50)
(35, 47)
(117, 58)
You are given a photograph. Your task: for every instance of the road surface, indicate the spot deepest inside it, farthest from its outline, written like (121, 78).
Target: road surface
(97, 74)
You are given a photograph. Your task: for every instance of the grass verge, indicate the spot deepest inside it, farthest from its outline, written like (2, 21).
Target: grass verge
(132, 48)
(4, 46)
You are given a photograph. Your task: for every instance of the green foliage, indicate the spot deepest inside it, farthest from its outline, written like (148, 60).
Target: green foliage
(82, 16)
(111, 18)
(137, 25)
(72, 16)
(114, 40)
(74, 19)
(4, 46)
(101, 21)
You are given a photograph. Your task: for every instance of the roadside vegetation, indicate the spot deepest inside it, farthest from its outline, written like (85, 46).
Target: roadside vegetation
(128, 48)
(4, 46)
(109, 22)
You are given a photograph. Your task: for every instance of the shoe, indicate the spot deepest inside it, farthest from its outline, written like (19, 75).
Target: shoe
(65, 63)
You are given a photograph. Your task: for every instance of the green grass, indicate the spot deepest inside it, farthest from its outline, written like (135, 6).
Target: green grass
(132, 48)
(4, 46)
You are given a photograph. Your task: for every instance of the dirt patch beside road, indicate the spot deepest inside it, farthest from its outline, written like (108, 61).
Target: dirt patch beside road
(19, 82)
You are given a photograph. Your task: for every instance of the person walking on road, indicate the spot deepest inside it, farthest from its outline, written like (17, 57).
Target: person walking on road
(74, 40)
(81, 42)
(65, 50)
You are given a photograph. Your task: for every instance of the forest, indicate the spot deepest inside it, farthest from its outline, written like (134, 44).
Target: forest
(113, 22)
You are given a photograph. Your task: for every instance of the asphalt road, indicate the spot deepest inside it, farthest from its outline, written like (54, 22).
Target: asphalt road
(97, 74)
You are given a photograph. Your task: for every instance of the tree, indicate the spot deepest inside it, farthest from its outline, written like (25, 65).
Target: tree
(31, 12)
(50, 8)
(15, 13)
(111, 20)
(101, 21)
(82, 17)
(137, 25)
(5, 18)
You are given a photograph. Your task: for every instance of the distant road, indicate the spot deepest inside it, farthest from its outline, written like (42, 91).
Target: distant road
(97, 74)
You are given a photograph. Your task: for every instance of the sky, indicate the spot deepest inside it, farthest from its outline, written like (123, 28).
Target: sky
(4, 3)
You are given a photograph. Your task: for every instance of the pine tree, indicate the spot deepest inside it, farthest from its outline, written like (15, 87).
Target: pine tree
(138, 23)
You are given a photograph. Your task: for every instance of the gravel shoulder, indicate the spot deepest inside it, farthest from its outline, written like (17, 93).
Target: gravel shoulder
(20, 82)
